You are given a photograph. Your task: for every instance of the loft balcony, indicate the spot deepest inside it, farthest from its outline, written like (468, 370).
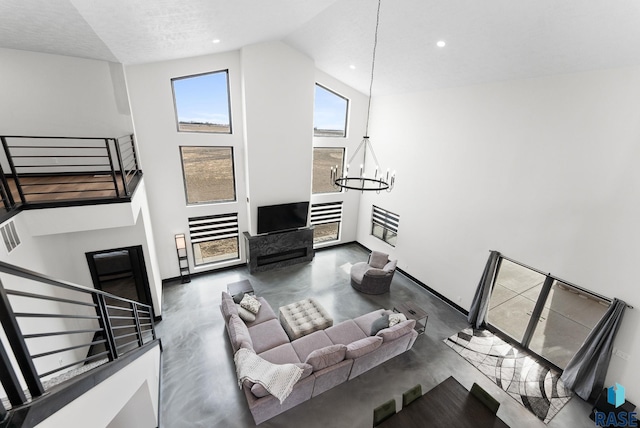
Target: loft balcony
(46, 172)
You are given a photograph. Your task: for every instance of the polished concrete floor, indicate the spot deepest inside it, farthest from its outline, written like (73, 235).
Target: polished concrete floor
(199, 388)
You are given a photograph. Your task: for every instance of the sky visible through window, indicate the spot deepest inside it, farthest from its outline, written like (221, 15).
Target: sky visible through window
(202, 99)
(329, 113)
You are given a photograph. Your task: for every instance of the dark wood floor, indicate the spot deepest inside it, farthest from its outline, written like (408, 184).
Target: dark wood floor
(38, 189)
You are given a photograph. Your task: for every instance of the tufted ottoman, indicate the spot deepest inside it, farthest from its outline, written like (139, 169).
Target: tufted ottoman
(304, 317)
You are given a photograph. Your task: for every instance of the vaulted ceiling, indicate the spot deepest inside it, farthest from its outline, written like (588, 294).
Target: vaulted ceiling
(488, 40)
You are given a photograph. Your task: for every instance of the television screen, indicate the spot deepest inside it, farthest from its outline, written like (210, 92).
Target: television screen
(278, 218)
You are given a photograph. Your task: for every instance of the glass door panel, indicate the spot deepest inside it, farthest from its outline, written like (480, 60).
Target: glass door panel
(566, 320)
(514, 297)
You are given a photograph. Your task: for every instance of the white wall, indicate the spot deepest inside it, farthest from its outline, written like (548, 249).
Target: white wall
(159, 142)
(137, 383)
(542, 170)
(278, 90)
(355, 131)
(54, 95)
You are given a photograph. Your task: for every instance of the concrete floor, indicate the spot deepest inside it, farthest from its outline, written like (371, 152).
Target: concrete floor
(199, 388)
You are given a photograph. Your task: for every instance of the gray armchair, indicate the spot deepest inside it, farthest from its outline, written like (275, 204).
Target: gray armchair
(374, 276)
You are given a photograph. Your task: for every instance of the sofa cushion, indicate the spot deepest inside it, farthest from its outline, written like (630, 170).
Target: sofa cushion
(244, 314)
(345, 333)
(281, 354)
(375, 272)
(267, 335)
(264, 314)
(237, 298)
(379, 324)
(378, 259)
(397, 330)
(250, 303)
(396, 319)
(390, 266)
(327, 356)
(227, 306)
(309, 343)
(358, 270)
(260, 391)
(363, 346)
(238, 332)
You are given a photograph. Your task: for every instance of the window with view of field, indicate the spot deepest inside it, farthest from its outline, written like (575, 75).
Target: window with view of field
(324, 158)
(384, 225)
(214, 238)
(326, 219)
(208, 174)
(329, 113)
(202, 102)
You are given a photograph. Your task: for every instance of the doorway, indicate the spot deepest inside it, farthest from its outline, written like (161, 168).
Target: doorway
(121, 272)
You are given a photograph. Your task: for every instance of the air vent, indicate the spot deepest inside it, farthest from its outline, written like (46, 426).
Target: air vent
(10, 236)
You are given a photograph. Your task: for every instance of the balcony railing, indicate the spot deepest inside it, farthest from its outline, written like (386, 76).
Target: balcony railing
(55, 330)
(40, 171)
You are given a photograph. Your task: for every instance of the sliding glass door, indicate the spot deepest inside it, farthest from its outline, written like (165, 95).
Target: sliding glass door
(542, 314)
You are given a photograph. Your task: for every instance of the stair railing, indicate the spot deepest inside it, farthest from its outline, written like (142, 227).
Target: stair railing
(53, 327)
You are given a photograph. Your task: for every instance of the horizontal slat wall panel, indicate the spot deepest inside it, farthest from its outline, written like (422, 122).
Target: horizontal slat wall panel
(386, 219)
(330, 212)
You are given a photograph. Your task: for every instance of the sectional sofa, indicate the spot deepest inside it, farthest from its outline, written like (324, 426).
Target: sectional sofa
(328, 357)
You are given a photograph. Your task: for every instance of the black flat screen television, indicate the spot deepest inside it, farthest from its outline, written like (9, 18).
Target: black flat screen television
(282, 217)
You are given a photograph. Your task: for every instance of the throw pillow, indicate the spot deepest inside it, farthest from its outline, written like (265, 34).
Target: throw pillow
(245, 315)
(397, 330)
(250, 303)
(239, 333)
(237, 298)
(379, 324)
(378, 259)
(228, 308)
(363, 346)
(394, 319)
(327, 356)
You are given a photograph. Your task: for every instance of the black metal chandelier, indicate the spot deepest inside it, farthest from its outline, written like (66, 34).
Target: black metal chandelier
(378, 181)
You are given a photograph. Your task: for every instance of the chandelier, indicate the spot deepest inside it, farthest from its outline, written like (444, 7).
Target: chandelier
(378, 181)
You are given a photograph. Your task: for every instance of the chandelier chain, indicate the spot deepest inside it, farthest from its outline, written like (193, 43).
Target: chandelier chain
(373, 65)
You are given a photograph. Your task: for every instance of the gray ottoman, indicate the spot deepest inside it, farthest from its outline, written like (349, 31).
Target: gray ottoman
(304, 317)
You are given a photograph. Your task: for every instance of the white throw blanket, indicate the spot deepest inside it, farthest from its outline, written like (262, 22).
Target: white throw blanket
(278, 379)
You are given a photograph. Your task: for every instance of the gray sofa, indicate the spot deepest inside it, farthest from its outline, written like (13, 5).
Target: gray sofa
(328, 357)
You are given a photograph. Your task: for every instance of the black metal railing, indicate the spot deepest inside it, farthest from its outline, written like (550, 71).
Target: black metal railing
(55, 329)
(37, 170)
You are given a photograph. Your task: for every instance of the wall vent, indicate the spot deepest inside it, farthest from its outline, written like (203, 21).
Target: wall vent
(10, 236)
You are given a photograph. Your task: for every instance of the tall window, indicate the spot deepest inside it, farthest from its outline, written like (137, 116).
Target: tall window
(541, 313)
(384, 225)
(326, 219)
(202, 102)
(208, 174)
(329, 113)
(214, 238)
(324, 158)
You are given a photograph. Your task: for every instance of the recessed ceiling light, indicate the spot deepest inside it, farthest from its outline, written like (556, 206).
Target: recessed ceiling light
(441, 43)
(353, 67)
(215, 41)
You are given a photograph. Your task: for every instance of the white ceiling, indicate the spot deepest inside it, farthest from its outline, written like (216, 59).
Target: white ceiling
(488, 40)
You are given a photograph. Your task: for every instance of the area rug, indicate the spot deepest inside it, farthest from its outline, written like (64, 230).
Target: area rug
(536, 387)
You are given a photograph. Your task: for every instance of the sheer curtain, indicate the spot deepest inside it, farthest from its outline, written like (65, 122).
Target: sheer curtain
(480, 303)
(587, 369)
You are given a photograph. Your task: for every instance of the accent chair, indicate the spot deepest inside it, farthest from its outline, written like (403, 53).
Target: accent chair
(375, 275)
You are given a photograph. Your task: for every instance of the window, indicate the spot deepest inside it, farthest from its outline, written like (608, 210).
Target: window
(325, 158)
(384, 225)
(325, 219)
(202, 102)
(208, 174)
(541, 313)
(214, 238)
(329, 113)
